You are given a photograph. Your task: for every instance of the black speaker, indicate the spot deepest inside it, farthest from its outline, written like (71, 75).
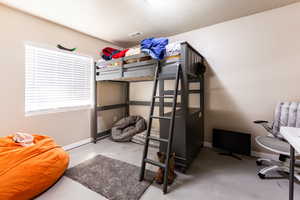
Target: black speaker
(232, 142)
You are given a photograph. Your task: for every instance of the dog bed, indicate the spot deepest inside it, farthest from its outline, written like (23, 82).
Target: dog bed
(126, 128)
(25, 172)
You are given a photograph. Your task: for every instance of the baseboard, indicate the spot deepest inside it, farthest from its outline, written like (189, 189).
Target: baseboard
(77, 144)
(206, 144)
(253, 153)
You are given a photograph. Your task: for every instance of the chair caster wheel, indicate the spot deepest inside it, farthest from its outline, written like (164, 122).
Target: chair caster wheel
(259, 163)
(261, 176)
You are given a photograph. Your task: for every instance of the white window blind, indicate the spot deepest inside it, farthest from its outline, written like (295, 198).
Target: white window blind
(56, 80)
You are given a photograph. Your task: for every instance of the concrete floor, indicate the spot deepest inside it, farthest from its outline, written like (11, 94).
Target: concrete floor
(211, 177)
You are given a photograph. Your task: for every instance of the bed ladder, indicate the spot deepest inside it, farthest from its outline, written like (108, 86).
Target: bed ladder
(145, 160)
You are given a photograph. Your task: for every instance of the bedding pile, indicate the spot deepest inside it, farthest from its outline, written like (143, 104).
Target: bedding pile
(26, 171)
(157, 48)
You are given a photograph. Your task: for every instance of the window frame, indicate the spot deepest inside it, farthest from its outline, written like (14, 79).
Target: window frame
(62, 108)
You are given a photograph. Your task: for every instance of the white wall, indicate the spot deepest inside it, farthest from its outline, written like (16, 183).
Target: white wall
(254, 62)
(17, 27)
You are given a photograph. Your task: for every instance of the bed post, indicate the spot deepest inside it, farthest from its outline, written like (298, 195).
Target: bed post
(202, 107)
(95, 127)
(127, 98)
(184, 81)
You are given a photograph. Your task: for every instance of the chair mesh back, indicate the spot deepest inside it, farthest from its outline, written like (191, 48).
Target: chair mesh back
(286, 114)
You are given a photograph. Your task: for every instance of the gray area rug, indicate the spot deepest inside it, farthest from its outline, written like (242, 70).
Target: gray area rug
(113, 179)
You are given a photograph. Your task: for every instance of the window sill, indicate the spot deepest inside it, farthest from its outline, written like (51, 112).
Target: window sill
(57, 110)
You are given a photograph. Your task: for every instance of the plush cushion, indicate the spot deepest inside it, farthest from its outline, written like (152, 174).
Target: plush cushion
(126, 128)
(25, 172)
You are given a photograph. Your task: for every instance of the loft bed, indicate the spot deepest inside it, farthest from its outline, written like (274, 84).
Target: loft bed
(141, 67)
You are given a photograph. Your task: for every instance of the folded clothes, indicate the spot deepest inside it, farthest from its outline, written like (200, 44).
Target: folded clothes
(173, 49)
(133, 51)
(155, 47)
(24, 139)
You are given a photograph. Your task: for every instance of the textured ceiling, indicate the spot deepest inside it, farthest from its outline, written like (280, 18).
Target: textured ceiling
(114, 20)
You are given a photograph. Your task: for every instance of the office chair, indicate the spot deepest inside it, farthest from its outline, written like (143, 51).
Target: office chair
(286, 114)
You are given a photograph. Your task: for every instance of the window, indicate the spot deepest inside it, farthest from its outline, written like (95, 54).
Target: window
(56, 80)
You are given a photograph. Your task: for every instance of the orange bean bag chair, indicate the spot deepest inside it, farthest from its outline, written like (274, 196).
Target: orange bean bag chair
(25, 172)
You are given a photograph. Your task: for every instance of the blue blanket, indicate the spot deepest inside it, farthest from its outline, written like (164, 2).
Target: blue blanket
(155, 47)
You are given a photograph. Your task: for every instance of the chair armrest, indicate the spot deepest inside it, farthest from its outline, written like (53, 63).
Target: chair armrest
(265, 124)
(260, 121)
(270, 135)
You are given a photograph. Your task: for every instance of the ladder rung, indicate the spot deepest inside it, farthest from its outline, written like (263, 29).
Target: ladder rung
(171, 92)
(159, 117)
(158, 139)
(170, 97)
(152, 162)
